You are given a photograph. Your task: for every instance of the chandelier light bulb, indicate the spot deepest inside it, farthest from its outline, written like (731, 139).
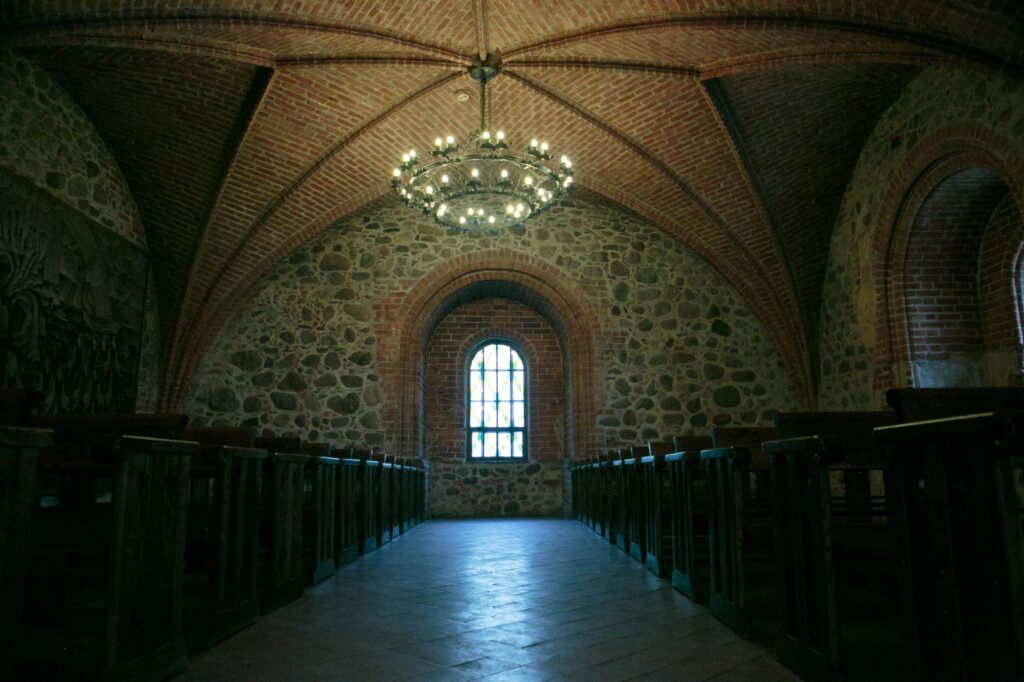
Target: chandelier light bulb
(475, 173)
(533, 143)
(444, 179)
(509, 209)
(450, 139)
(437, 141)
(504, 174)
(405, 158)
(486, 135)
(430, 189)
(528, 180)
(412, 153)
(469, 211)
(480, 212)
(396, 173)
(501, 135)
(544, 146)
(490, 219)
(519, 208)
(462, 220)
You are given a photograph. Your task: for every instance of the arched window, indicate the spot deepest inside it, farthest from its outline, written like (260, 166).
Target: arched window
(496, 401)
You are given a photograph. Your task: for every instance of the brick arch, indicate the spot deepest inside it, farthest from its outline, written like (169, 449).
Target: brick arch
(936, 159)
(407, 319)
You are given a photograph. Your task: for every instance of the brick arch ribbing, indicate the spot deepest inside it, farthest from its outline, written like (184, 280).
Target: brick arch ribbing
(933, 160)
(406, 319)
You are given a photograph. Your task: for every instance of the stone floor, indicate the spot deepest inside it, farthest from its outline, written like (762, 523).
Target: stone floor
(538, 599)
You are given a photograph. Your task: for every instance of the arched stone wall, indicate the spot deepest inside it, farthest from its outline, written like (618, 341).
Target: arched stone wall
(497, 274)
(931, 123)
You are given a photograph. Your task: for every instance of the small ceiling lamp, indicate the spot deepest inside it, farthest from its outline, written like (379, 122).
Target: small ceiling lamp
(482, 185)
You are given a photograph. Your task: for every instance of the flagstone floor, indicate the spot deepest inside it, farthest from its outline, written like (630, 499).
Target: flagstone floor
(518, 599)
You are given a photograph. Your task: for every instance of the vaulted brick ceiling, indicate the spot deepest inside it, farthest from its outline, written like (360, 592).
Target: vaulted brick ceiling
(245, 128)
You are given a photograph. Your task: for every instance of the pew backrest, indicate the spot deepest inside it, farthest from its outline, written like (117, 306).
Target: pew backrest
(748, 438)
(691, 443)
(211, 436)
(848, 433)
(918, 404)
(291, 444)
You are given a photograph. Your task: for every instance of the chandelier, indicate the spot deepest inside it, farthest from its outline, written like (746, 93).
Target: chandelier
(482, 185)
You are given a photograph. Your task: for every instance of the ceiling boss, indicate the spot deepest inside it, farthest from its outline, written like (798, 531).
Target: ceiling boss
(483, 184)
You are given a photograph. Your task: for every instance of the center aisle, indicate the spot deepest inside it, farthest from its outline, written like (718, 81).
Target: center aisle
(519, 599)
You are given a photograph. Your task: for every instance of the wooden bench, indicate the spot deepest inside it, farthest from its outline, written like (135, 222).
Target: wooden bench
(368, 498)
(225, 594)
(405, 511)
(347, 520)
(619, 500)
(957, 493)
(20, 449)
(835, 553)
(283, 532)
(104, 588)
(606, 489)
(917, 404)
(346, 528)
(636, 511)
(319, 502)
(743, 589)
(395, 497)
(419, 491)
(383, 498)
(657, 509)
(688, 510)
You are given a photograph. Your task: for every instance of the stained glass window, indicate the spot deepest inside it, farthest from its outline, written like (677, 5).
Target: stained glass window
(497, 403)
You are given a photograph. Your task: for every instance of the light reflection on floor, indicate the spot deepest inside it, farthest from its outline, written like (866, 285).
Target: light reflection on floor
(523, 599)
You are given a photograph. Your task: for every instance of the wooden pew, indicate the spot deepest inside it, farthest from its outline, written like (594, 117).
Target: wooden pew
(405, 506)
(835, 553)
(368, 498)
(19, 458)
(346, 529)
(917, 404)
(957, 488)
(319, 507)
(619, 487)
(657, 509)
(395, 492)
(225, 594)
(384, 509)
(591, 494)
(419, 488)
(108, 550)
(636, 511)
(743, 589)
(691, 560)
(282, 529)
(346, 548)
(606, 487)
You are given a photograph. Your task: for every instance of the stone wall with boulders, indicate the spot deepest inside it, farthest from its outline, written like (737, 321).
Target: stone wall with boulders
(678, 349)
(50, 141)
(937, 100)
